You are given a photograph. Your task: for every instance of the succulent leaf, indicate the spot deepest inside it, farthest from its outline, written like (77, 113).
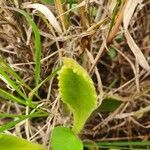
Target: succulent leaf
(77, 91)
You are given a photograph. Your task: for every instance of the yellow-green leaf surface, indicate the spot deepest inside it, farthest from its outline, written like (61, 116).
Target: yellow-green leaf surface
(64, 139)
(9, 142)
(77, 91)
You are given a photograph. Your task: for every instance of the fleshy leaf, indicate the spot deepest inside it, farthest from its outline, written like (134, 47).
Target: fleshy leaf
(9, 142)
(77, 91)
(64, 139)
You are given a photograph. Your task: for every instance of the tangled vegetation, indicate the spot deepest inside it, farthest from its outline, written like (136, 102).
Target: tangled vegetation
(53, 54)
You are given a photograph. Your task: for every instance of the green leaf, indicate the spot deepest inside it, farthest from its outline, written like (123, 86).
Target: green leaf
(9, 142)
(77, 91)
(112, 52)
(109, 104)
(119, 37)
(64, 139)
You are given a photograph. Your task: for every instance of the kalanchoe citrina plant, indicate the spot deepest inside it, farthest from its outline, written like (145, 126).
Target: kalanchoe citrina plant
(78, 93)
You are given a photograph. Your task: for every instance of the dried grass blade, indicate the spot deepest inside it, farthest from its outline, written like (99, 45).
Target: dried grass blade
(137, 52)
(48, 14)
(63, 18)
(128, 12)
(130, 8)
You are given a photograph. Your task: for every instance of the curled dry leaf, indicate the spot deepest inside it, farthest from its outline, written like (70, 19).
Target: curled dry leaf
(48, 14)
(129, 10)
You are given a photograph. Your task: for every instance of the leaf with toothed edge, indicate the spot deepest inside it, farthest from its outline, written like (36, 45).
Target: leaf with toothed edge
(77, 91)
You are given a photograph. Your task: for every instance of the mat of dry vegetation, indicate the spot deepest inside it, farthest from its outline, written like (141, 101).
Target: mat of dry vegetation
(117, 58)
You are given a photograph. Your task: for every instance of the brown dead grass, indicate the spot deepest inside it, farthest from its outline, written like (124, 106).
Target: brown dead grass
(90, 49)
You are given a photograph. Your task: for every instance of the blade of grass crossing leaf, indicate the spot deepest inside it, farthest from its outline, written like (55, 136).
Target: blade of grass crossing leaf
(44, 81)
(11, 83)
(10, 71)
(37, 43)
(6, 115)
(37, 46)
(11, 124)
(10, 97)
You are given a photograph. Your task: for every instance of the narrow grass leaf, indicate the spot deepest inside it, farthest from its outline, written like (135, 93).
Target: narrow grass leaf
(11, 83)
(77, 91)
(10, 142)
(6, 67)
(10, 97)
(17, 120)
(37, 46)
(123, 145)
(37, 42)
(44, 81)
(6, 115)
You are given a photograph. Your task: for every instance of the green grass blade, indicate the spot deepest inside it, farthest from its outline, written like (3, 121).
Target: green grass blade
(125, 143)
(12, 73)
(37, 46)
(6, 115)
(37, 43)
(10, 97)
(44, 81)
(10, 142)
(11, 124)
(122, 145)
(11, 83)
